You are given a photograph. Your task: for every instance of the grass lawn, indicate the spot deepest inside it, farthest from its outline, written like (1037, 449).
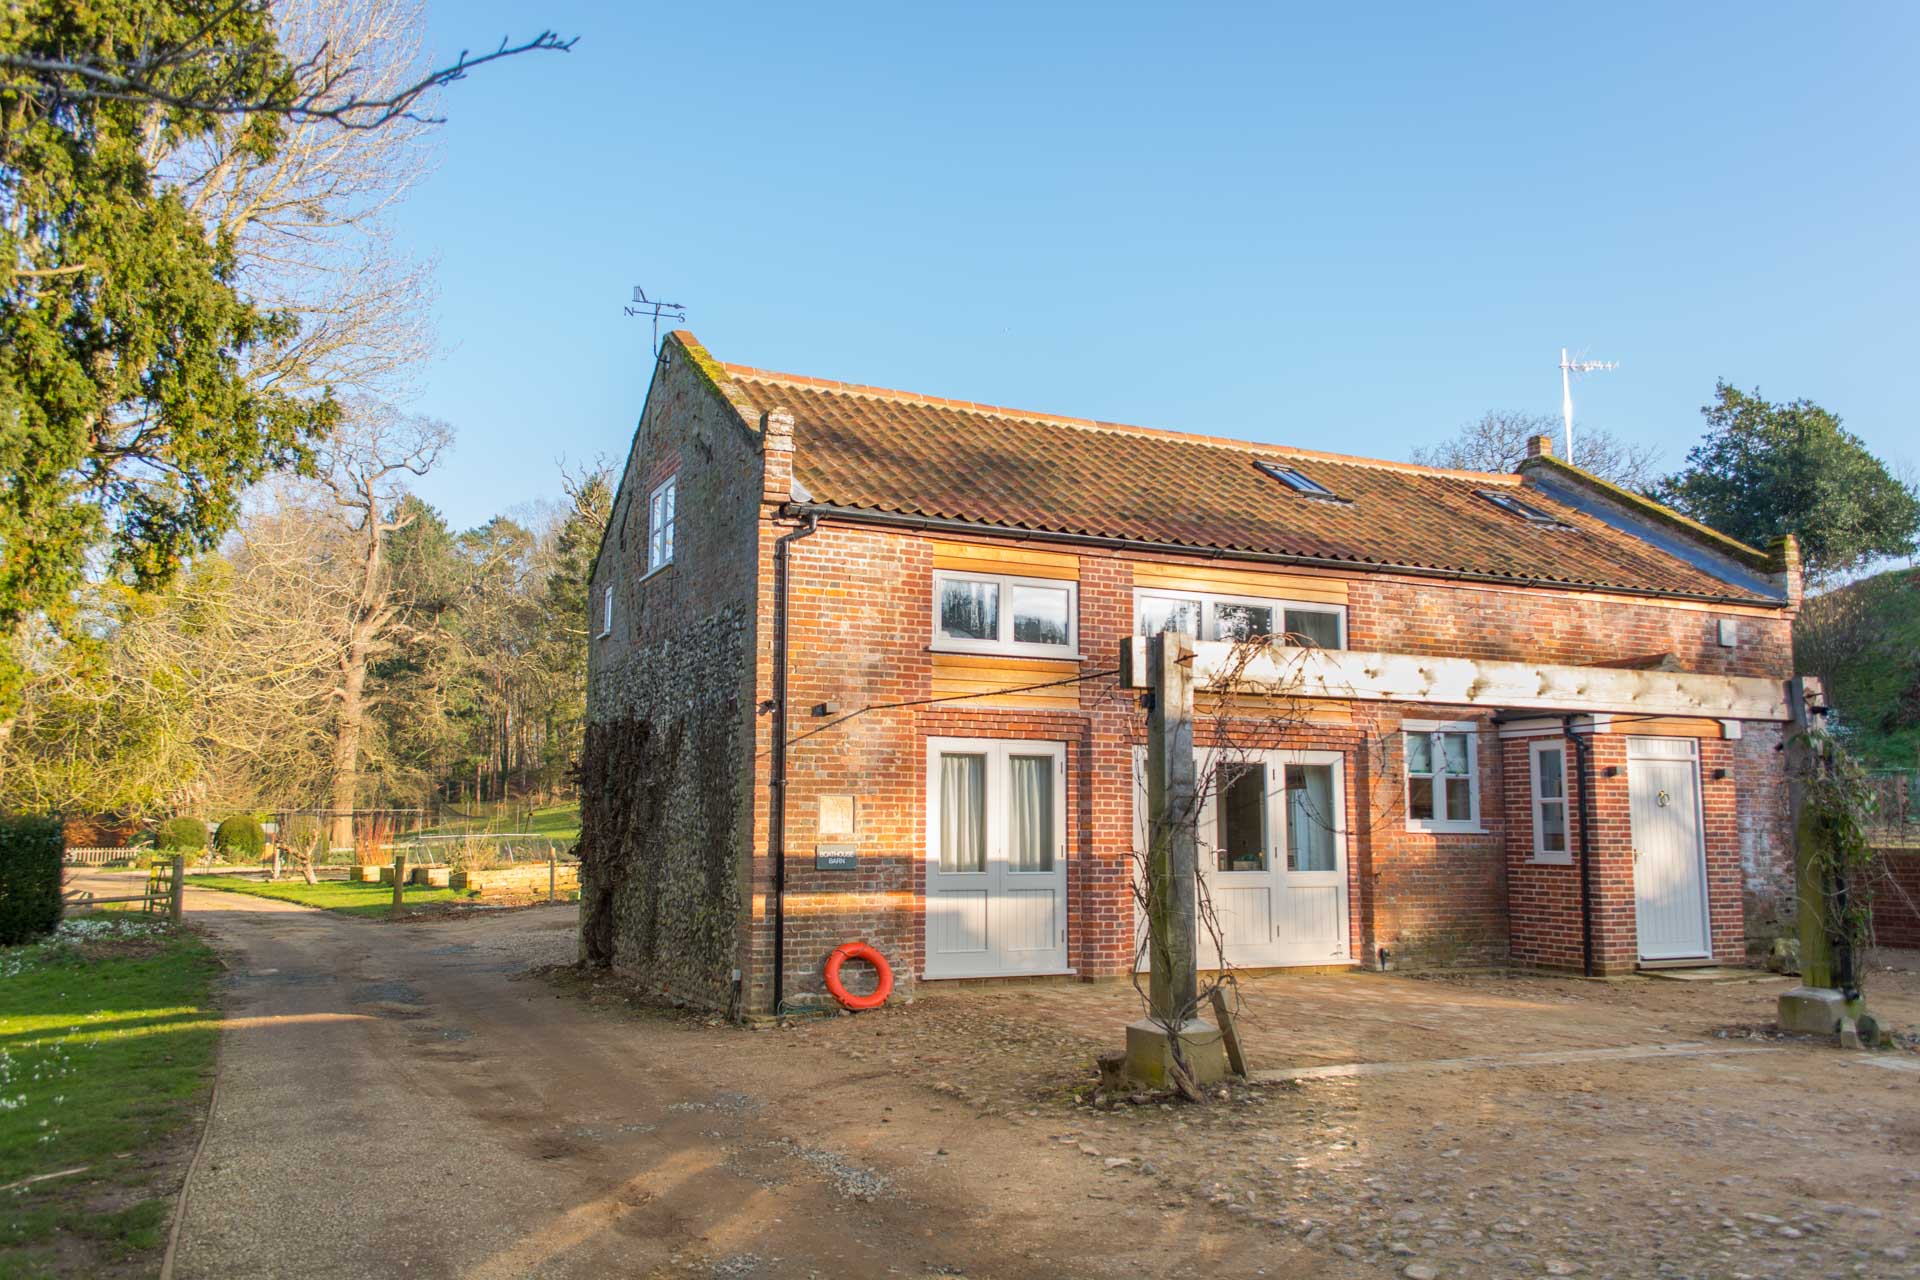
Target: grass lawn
(556, 822)
(106, 1052)
(343, 896)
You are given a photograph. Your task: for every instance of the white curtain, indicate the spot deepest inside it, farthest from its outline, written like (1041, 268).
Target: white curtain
(963, 813)
(1310, 817)
(1030, 813)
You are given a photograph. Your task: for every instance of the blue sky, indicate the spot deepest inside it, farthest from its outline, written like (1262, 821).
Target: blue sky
(1349, 230)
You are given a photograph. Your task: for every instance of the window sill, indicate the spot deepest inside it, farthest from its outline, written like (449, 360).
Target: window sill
(1445, 829)
(1550, 860)
(651, 574)
(968, 651)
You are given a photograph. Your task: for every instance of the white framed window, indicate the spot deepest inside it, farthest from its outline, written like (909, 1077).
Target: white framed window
(1443, 775)
(1547, 770)
(994, 613)
(606, 612)
(660, 518)
(1217, 617)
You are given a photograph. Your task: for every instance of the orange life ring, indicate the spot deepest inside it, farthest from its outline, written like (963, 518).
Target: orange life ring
(859, 951)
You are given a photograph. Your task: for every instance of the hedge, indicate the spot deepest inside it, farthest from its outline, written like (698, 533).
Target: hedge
(241, 834)
(181, 835)
(30, 853)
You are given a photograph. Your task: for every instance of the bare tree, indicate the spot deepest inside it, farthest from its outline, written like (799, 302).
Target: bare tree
(363, 469)
(309, 217)
(1498, 441)
(200, 70)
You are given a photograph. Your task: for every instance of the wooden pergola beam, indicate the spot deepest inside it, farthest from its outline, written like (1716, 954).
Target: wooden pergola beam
(1282, 670)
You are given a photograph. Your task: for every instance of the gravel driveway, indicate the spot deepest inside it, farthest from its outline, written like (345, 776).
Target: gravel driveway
(401, 1099)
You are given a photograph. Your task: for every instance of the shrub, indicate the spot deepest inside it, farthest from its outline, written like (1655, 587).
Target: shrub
(241, 836)
(30, 854)
(188, 835)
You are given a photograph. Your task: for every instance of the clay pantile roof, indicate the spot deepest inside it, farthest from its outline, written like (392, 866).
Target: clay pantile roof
(878, 450)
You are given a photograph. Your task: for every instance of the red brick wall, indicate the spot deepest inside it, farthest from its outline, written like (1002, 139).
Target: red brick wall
(1544, 900)
(1410, 615)
(1896, 899)
(861, 603)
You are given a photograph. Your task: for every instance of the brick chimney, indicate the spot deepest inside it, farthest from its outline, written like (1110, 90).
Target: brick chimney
(1539, 446)
(776, 443)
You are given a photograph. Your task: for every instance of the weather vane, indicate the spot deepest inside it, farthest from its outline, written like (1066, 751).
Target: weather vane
(642, 305)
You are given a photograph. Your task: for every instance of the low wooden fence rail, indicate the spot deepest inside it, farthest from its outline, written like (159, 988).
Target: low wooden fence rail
(88, 856)
(166, 891)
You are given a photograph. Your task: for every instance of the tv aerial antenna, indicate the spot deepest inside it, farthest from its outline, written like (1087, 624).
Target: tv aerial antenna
(642, 305)
(1567, 369)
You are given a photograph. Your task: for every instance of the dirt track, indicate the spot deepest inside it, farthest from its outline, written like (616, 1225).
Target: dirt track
(406, 1100)
(396, 1099)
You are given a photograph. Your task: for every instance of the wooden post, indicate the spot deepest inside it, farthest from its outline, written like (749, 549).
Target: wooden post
(276, 857)
(176, 908)
(1816, 947)
(399, 881)
(553, 872)
(1229, 1034)
(1171, 815)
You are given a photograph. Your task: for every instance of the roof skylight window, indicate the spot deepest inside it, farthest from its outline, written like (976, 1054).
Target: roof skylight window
(1526, 511)
(1295, 480)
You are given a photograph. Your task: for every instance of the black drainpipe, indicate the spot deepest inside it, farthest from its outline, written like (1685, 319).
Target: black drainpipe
(777, 810)
(1583, 751)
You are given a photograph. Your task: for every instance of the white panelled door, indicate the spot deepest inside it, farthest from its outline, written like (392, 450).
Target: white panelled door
(1669, 849)
(1272, 849)
(996, 857)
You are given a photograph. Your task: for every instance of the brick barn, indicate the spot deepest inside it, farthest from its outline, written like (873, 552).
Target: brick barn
(853, 677)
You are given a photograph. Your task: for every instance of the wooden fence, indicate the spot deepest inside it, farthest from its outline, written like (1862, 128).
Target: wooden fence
(99, 857)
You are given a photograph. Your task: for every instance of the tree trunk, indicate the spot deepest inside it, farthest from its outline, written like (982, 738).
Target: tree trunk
(346, 743)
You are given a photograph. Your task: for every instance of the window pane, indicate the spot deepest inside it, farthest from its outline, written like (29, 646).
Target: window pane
(1553, 827)
(1310, 817)
(1420, 798)
(1157, 614)
(1040, 615)
(969, 610)
(963, 813)
(1030, 814)
(1453, 753)
(1419, 753)
(1242, 809)
(1459, 800)
(1547, 775)
(1242, 622)
(1312, 627)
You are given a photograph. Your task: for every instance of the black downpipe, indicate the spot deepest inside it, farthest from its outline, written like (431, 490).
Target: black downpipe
(1582, 769)
(777, 810)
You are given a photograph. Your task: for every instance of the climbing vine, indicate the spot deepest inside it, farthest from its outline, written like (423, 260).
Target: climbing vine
(1836, 823)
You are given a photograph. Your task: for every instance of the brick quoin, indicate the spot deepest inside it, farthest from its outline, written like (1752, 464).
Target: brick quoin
(862, 680)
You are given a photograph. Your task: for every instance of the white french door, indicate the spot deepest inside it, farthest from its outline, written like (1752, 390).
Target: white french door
(996, 857)
(1272, 845)
(1669, 849)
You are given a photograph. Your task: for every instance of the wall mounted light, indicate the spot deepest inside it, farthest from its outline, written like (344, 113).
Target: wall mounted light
(1611, 771)
(1721, 775)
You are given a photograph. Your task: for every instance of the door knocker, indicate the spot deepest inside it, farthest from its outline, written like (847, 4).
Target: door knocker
(1664, 798)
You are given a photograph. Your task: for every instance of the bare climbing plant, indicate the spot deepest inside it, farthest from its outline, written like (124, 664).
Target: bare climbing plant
(1252, 705)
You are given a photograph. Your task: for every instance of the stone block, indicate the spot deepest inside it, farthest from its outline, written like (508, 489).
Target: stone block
(1150, 1053)
(1814, 1011)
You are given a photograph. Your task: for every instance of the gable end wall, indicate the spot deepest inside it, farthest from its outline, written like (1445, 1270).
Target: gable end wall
(668, 776)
